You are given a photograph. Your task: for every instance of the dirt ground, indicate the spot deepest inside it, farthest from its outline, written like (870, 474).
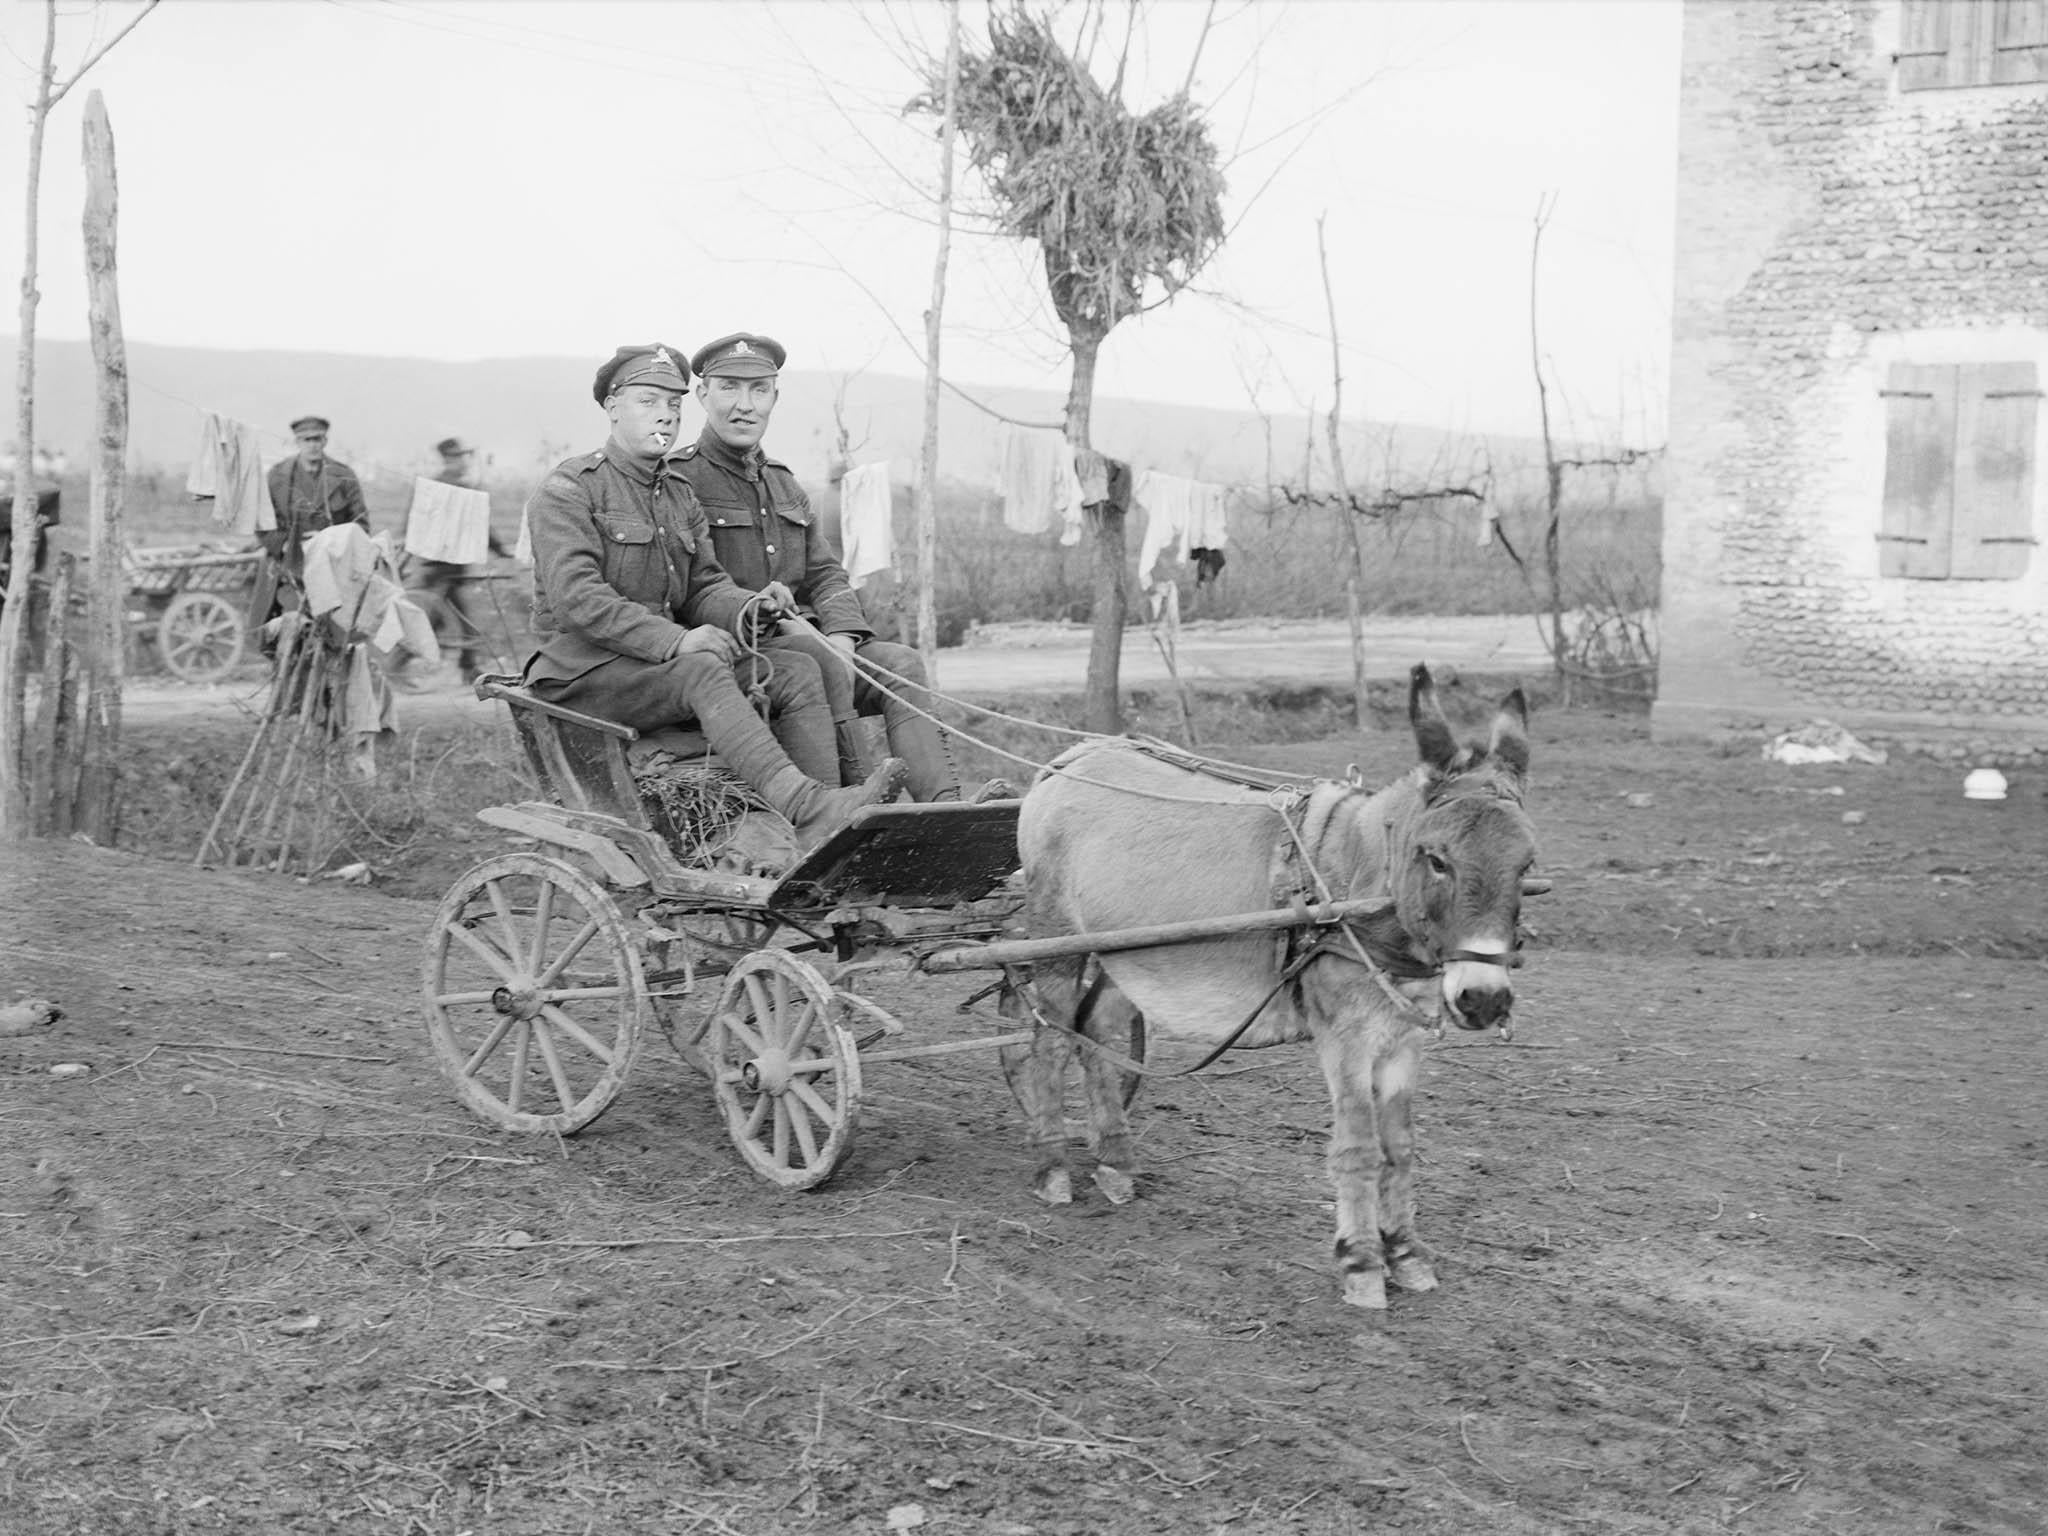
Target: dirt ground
(1742, 1232)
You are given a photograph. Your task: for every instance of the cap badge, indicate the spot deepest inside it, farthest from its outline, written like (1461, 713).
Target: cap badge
(741, 349)
(663, 360)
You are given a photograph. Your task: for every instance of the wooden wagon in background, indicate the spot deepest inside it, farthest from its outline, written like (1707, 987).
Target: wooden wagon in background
(192, 603)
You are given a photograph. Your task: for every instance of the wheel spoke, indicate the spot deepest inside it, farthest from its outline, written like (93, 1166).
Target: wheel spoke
(764, 1010)
(581, 994)
(561, 962)
(763, 1103)
(458, 999)
(576, 1032)
(543, 914)
(802, 1015)
(507, 920)
(490, 1044)
(827, 1114)
(743, 1031)
(515, 1092)
(801, 1124)
(565, 1096)
(781, 1148)
(500, 963)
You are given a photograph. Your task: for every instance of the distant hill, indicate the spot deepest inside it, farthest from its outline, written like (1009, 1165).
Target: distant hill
(388, 411)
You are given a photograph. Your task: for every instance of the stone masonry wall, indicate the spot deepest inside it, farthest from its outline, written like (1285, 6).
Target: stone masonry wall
(1828, 226)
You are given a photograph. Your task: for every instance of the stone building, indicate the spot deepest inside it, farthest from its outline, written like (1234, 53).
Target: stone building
(1854, 514)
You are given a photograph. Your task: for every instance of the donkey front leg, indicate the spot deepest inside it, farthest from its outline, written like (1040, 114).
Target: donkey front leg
(1037, 1075)
(1106, 1017)
(1408, 1263)
(1354, 1161)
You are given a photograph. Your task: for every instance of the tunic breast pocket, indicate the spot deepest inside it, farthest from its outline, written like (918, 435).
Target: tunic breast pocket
(632, 560)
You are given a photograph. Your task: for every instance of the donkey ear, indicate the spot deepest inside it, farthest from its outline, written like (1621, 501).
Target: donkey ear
(1433, 735)
(1509, 744)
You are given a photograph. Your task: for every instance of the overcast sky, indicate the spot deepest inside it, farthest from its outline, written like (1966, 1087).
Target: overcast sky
(470, 179)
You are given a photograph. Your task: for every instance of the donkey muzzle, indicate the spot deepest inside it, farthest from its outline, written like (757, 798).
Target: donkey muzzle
(1477, 989)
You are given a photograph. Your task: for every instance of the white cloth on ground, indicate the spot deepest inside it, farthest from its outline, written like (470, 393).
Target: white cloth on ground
(448, 522)
(1040, 486)
(866, 522)
(227, 469)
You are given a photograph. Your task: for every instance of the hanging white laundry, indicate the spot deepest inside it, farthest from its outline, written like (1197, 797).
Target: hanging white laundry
(522, 547)
(450, 523)
(227, 469)
(1040, 486)
(1180, 515)
(866, 522)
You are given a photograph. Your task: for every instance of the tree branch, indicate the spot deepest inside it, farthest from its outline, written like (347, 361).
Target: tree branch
(99, 53)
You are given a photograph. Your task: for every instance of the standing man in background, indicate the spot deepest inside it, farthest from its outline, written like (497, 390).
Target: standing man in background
(308, 492)
(765, 533)
(451, 584)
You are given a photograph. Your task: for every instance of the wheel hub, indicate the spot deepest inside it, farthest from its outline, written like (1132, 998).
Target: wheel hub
(523, 1003)
(767, 1073)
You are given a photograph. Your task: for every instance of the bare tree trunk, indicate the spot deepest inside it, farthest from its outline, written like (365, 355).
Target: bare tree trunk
(14, 818)
(98, 793)
(1553, 471)
(1104, 707)
(1354, 583)
(928, 476)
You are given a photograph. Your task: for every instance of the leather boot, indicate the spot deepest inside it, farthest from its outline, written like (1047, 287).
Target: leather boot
(922, 746)
(853, 758)
(816, 812)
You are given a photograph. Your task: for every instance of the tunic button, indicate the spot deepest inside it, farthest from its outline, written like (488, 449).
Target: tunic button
(771, 549)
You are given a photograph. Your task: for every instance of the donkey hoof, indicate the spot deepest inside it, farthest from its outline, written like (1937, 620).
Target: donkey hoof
(1055, 1187)
(1411, 1272)
(1117, 1187)
(1366, 1288)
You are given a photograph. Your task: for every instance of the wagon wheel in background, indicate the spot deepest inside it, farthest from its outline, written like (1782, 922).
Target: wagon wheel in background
(534, 993)
(200, 637)
(785, 1069)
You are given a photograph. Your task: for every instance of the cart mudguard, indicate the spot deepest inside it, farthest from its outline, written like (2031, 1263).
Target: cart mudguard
(629, 856)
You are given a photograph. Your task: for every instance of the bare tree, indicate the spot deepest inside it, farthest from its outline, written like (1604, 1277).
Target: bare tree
(1554, 622)
(1118, 202)
(14, 820)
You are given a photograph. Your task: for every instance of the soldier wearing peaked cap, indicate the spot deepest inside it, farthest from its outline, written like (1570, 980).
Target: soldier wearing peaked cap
(308, 492)
(449, 585)
(769, 540)
(637, 623)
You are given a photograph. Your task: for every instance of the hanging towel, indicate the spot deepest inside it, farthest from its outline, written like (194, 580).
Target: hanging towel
(368, 700)
(1040, 487)
(450, 523)
(866, 527)
(227, 470)
(339, 563)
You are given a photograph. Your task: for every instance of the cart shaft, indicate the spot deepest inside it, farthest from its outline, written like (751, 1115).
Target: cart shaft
(988, 957)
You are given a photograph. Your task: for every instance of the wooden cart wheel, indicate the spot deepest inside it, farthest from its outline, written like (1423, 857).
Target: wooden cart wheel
(786, 1071)
(534, 993)
(200, 637)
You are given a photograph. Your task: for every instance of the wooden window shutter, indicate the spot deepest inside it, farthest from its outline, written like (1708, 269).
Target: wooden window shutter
(1923, 45)
(2019, 51)
(1919, 471)
(1996, 407)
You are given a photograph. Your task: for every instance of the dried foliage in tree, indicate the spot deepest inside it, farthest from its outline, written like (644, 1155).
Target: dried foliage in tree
(1114, 199)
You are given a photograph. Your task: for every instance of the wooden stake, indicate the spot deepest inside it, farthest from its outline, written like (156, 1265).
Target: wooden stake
(106, 617)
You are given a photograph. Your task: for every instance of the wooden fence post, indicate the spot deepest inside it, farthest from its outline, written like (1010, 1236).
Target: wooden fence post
(98, 809)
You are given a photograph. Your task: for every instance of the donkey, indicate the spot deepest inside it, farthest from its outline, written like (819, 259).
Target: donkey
(1114, 836)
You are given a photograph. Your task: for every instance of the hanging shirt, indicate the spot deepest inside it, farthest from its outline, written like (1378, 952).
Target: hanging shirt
(227, 469)
(866, 524)
(1180, 515)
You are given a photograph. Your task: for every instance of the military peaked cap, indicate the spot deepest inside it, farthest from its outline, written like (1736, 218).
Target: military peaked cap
(305, 426)
(448, 447)
(740, 356)
(654, 363)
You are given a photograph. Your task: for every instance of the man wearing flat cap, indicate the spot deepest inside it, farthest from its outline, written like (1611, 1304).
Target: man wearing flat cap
(637, 623)
(449, 583)
(308, 492)
(768, 539)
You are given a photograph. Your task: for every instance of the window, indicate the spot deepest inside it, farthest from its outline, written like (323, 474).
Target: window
(1972, 42)
(1959, 471)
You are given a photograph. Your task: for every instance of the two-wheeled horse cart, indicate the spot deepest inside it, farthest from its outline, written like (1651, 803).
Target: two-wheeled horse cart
(546, 971)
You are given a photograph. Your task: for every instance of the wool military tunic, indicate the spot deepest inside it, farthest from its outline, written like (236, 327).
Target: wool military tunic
(764, 530)
(307, 501)
(622, 565)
